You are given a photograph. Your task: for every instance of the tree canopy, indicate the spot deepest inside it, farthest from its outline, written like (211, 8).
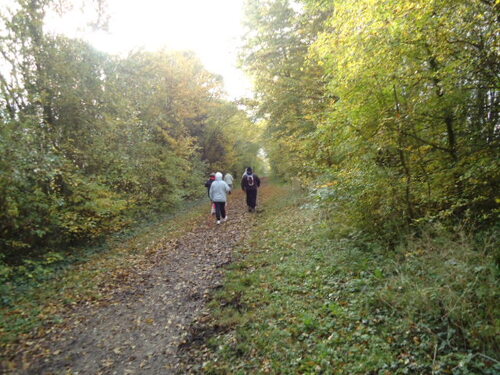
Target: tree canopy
(392, 106)
(88, 139)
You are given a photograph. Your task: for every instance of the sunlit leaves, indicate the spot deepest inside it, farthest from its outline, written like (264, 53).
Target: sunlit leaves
(405, 91)
(89, 140)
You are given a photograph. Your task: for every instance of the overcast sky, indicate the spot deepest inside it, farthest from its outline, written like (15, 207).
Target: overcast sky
(210, 28)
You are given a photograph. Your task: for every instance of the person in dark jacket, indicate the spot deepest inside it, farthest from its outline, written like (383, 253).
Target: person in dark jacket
(207, 185)
(250, 182)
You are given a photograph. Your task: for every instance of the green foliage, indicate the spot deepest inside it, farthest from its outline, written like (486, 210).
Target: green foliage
(451, 282)
(412, 119)
(299, 301)
(392, 105)
(289, 90)
(231, 142)
(90, 141)
(92, 210)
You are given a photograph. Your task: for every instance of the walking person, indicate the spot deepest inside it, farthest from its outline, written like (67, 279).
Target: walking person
(207, 185)
(229, 180)
(250, 182)
(218, 194)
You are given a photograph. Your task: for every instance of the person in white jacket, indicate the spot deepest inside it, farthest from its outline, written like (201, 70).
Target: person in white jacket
(218, 194)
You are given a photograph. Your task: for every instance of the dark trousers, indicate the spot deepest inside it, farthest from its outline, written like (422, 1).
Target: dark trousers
(251, 197)
(220, 210)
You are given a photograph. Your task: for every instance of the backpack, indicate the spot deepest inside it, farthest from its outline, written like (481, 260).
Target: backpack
(250, 181)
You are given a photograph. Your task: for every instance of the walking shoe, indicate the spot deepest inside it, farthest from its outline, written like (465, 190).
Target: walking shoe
(218, 221)
(225, 219)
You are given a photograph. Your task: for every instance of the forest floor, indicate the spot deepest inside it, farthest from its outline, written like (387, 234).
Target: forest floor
(148, 304)
(276, 292)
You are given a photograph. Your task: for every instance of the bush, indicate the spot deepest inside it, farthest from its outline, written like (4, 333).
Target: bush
(450, 280)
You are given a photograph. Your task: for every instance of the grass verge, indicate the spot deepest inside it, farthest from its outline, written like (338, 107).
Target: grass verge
(299, 302)
(40, 296)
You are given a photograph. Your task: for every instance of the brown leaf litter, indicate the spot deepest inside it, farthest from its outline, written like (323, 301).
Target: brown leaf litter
(140, 327)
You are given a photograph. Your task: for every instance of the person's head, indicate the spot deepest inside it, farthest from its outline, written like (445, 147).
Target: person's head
(212, 176)
(249, 170)
(218, 176)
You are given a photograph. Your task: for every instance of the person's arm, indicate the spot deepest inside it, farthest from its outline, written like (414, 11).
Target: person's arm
(257, 180)
(211, 191)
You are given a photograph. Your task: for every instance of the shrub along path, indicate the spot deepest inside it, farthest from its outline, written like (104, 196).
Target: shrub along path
(147, 308)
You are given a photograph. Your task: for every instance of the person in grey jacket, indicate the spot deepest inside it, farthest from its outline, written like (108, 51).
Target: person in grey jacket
(228, 178)
(218, 194)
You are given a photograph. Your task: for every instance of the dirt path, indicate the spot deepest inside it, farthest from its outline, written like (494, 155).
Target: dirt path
(140, 331)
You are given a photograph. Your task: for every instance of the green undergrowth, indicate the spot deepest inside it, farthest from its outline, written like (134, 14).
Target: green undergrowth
(301, 302)
(36, 293)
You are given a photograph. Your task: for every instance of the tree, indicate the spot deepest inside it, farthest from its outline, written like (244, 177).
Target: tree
(89, 140)
(290, 89)
(393, 104)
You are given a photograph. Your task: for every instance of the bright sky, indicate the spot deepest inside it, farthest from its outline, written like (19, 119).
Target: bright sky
(210, 28)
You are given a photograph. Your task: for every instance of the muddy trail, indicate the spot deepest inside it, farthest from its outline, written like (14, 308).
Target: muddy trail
(141, 328)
